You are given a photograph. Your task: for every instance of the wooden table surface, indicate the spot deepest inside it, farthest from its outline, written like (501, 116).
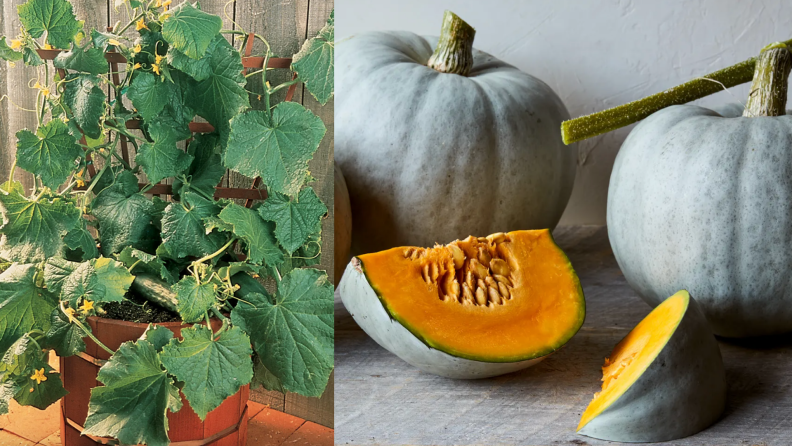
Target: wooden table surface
(382, 400)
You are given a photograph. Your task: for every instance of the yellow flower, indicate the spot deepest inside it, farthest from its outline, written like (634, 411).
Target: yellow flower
(70, 313)
(159, 59)
(39, 376)
(156, 68)
(137, 49)
(113, 42)
(80, 182)
(166, 3)
(87, 306)
(136, 66)
(141, 24)
(45, 91)
(47, 46)
(158, 4)
(164, 17)
(16, 43)
(65, 119)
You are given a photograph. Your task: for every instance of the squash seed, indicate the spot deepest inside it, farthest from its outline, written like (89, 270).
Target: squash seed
(434, 272)
(458, 255)
(467, 294)
(479, 270)
(408, 252)
(500, 267)
(481, 297)
(497, 238)
(484, 256)
(425, 274)
(480, 284)
(494, 296)
(504, 290)
(482, 239)
(503, 279)
(453, 290)
(469, 279)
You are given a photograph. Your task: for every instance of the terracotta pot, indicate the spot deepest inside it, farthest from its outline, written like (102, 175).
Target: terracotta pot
(79, 377)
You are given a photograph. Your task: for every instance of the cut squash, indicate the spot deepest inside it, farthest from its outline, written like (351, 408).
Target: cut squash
(509, 298)
(665, 380)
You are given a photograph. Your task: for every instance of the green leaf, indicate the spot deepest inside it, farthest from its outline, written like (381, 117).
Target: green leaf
(148, 263)
(314, 64)
(158, 336)
(81, 244)
(63, 336)
(212, 367)
(177, 115)
(194, 299)
(133, 403)
(162, 159)
(262, 376)
(6, 53)
(222, 95)
(206, 169)
(190, 30)
(7, 391)
(115, 175)
(102, 40)
(257, 234)
(23, 305)
(51, 153)
(84, 95)
(114, 277)
(148, 94)
(278, 152)
(31, 57)
(293, 335)
(183, 231)
(44, 394)
(25, 360)
(99, 280)
(56, 271)
(87, 60)
(56, 17)
(199, 69)
(82, 284)
(32, 230)
(124, 221)
(295, 220)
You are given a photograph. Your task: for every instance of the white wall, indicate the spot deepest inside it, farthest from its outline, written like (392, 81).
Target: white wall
(596, 53)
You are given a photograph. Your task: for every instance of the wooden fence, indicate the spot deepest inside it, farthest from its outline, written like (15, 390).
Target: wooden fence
(286, 24)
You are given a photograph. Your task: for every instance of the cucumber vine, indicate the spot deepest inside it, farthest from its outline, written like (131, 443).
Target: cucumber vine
(87, 234)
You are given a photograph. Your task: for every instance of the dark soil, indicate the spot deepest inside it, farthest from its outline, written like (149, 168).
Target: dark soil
(137, 309)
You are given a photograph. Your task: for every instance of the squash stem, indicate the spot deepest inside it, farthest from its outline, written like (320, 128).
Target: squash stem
(605, 121)
(768, 95)
(454, 52)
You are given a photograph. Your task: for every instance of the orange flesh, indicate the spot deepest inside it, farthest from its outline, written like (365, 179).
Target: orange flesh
(631, 357)
(545, 308)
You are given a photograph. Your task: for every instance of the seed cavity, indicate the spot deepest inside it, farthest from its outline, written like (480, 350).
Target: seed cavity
(469, 272)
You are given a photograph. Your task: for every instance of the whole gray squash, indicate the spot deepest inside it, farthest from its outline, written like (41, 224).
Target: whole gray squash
(432, 157)
(703, 202)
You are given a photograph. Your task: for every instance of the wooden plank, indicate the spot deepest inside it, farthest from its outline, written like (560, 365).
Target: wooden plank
(319, 410)
(6, 156)
(383, 400)
(19, 95)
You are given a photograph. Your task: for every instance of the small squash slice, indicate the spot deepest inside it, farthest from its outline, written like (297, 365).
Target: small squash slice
(476, 307)
(665, 380)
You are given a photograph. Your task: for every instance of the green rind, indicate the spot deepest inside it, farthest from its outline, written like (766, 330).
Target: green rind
(445, 349)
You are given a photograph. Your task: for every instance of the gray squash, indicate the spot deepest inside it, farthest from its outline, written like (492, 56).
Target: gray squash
(682, 392)
(704, 202)
(430, 155)
(362, 302)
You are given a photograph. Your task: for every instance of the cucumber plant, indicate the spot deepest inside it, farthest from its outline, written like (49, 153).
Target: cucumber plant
(74, 244)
